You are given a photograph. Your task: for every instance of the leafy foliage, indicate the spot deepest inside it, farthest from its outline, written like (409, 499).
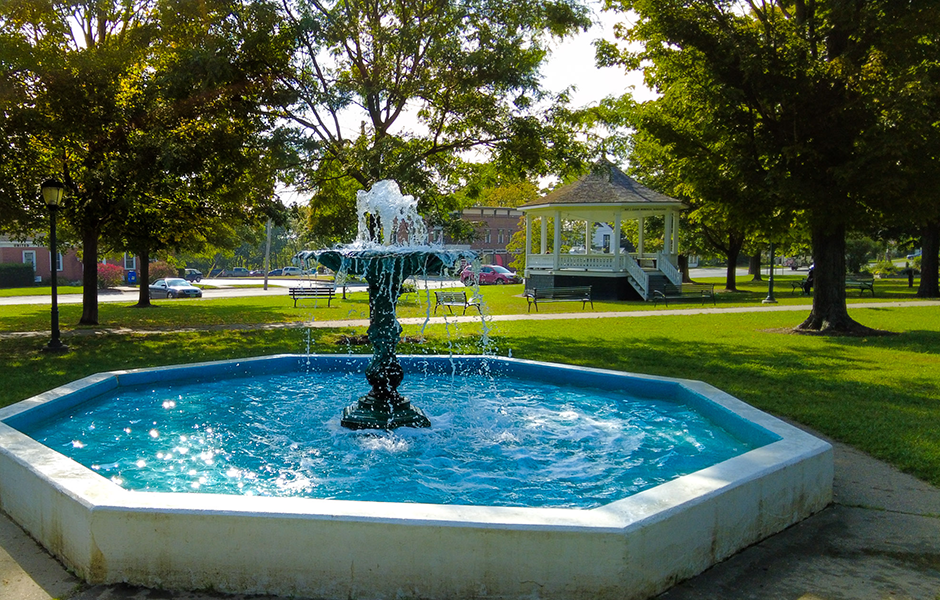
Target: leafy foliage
(425, 82)
(110, 276)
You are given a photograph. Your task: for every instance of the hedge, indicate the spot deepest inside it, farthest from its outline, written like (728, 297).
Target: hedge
(15, 275)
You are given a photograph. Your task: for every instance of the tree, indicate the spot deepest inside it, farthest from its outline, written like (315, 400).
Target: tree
(431, 80)
(806, 74)
(140, 108)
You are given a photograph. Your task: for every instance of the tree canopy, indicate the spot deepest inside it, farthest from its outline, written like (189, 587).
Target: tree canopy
(404, 90)
(149, 112)
(793, 92)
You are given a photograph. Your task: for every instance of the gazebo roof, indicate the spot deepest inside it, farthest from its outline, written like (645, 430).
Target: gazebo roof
(605, 186)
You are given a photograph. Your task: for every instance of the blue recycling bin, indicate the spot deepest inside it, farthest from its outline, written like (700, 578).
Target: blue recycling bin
(132, 277)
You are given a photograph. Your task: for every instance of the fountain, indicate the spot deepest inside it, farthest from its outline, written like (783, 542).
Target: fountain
(622, 547)
(391, 246)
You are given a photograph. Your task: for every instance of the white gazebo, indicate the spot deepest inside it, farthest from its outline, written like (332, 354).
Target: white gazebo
(605, 195)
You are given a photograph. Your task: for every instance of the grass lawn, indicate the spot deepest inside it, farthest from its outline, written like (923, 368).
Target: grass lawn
(879, 394)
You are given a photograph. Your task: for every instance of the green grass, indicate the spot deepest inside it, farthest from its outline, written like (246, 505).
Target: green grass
(879, 394)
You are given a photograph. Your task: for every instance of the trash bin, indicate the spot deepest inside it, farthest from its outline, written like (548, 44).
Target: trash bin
(132, 277)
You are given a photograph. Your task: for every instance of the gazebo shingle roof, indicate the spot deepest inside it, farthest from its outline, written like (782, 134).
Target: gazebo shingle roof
(605, 184)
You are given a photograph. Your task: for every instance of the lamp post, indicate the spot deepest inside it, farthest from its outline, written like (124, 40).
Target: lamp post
(52, 193)
(770, 293)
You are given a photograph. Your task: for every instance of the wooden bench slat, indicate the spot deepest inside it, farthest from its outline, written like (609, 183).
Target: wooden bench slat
(580, 294)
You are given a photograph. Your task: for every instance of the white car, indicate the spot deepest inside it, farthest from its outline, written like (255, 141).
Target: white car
(292, 271)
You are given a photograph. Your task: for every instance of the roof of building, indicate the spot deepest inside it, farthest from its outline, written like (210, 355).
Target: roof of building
(605, 184)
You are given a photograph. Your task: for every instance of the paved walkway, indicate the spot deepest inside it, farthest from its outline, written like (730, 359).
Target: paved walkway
(879, 540)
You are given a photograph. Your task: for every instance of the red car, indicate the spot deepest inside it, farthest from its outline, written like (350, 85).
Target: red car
(488, 274)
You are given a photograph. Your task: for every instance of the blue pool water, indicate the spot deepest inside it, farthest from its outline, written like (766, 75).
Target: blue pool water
(494, 441)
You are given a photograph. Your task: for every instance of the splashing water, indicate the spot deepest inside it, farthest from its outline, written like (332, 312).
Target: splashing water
(394, 212)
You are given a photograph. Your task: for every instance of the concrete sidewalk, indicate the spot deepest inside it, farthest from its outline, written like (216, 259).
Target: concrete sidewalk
(879, 540)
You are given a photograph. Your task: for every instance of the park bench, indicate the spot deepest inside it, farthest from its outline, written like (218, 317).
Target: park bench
(861, 283)
(315, 292)
(580, 294)
(685, 291)
(852, 282)
(798, 285)
(452, 299)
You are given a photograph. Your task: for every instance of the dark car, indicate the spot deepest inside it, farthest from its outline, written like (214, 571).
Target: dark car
(174, 288)
(274, 273)
(489, 274)
(192, 275)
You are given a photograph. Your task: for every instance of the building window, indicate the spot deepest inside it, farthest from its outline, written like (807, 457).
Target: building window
(500, 237)
(58, 261)
(606, 241)
(489, 236)
(29, 258)
(130, 262)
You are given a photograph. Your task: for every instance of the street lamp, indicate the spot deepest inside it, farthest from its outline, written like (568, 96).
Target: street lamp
(770, 294)
(52, 193)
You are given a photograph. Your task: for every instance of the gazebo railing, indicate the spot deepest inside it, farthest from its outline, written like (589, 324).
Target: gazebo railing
(668, 269)
(633, 268)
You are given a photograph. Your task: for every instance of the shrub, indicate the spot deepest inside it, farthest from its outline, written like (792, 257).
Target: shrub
(161, 270)
(16, 275)
(858, 251)
(109, 276)
(884, 268)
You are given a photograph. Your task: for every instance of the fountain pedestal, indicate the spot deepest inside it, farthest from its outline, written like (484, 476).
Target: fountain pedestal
(384, 269)
(377, 255)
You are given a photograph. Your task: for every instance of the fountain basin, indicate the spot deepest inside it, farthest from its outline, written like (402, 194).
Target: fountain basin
(630, 548)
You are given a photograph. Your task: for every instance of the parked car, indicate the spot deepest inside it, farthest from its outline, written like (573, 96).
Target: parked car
(215, 273)
(297, 271)
(236, 272)
(489, 274)
(192, 275)
(174, 288)
(257, 273)
(917, 254)
(274, 273)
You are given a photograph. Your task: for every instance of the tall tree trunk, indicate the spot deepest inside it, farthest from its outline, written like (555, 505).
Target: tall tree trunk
(753, 267)
(829, 314)
(89, 276)
(929, 261)
(143, 280)
(684, 268)
(732, 252)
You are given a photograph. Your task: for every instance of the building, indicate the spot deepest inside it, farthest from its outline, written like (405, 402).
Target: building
(494, 226)
(67, 266)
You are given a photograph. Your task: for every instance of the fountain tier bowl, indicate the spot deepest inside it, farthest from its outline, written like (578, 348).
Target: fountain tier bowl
(630, 548)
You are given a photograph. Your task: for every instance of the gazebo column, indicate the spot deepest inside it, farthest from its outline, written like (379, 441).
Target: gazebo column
(639, 245)
(587, 236)
(615, 243)
(528, 234)
(556, 244)
(543, 242)
(667, 234)
(675, 234)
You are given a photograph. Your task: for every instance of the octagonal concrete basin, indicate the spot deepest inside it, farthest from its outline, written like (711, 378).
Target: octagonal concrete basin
(632, 548)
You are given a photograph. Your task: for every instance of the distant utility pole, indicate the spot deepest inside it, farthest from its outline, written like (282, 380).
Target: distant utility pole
(267, 253)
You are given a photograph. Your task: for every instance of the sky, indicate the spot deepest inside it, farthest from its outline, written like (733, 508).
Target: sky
(572, 63)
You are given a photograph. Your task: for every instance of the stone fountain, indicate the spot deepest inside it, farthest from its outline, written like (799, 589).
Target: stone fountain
(391, 246)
